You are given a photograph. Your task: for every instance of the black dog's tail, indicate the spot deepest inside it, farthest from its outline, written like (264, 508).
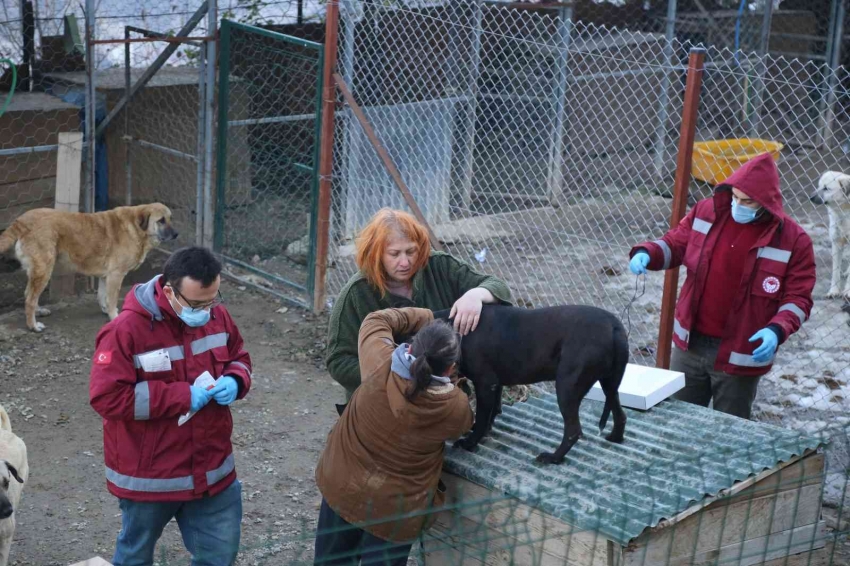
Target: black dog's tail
(611, 383)
(606, 411)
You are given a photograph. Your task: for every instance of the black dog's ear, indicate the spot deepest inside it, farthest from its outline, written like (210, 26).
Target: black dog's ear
(442, 315)
(144, 220)
(13, 471)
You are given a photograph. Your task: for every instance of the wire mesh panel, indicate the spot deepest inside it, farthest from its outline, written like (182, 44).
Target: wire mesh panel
(148, 151)
(32, 114)
(154, 138)
(267, 178)
(562, 150)
(538, 148)
(799, 107)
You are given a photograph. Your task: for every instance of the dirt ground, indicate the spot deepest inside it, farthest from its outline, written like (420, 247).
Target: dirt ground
(66, 514)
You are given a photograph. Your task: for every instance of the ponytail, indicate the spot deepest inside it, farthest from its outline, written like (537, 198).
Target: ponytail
(421, 372)
(436, 347)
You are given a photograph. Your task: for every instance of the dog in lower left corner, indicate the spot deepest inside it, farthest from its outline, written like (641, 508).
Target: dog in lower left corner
(14, 471)
(573, 345)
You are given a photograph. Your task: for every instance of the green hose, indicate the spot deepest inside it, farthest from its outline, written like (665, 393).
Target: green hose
(14, 84)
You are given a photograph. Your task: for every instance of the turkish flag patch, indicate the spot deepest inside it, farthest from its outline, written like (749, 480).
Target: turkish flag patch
(103, 358)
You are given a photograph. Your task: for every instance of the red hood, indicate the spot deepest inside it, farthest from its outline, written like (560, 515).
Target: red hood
(759, 179)
(148, 300)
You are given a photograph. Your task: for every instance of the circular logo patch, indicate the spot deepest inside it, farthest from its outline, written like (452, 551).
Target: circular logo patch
(770, 284)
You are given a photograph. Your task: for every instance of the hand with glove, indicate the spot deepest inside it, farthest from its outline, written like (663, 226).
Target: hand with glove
(225, 391)
(200, 397)
(769, 342)
(639, 262)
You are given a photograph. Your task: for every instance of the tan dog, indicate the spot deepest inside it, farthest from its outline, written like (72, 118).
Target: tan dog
(107, 245)
(14, 471)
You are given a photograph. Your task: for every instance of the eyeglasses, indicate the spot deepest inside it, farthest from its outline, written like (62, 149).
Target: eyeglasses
(199, 306)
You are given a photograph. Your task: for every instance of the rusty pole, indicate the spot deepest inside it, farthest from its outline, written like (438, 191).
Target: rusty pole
(696, 62)
(323, 224)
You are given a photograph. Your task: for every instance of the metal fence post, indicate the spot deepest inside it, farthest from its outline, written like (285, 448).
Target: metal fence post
(221, 153)
(314, 189)
(128, 143)
(201, 146)
(556, 154)
(754, 115)
(90, 110)
(326, 155)
(664, 95)
(472, 108)
(209, 95)
(696, 63)
(833, 62)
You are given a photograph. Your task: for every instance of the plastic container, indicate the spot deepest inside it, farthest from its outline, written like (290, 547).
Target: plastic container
(714, 161)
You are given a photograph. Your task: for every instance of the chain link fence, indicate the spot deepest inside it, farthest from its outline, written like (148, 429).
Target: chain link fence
(270, 110)
(32, 117)
(156, 140)
(538, 148)
(804, 107)
(156, 146)
(146, 150)
(161, 145)
(541, 150)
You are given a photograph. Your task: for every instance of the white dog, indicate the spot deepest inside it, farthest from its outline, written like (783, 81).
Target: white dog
(13, 473)
(834, 192)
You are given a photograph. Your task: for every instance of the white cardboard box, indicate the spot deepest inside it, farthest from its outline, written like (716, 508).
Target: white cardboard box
(643, 387)
(96, 561)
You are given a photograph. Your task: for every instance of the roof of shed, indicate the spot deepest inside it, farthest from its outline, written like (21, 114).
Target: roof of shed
(36, 101)
(674, 456)
(114, 79)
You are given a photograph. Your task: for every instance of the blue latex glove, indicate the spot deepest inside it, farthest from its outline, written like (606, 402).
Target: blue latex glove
(639, 262)
(200, 397)
(769, 342)
(225, 391)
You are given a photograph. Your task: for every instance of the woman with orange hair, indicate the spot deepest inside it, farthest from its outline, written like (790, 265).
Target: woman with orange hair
(397, 269)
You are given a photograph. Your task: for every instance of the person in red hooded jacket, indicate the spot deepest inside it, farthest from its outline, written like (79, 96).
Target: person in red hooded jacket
(750, 275)
(171, 330)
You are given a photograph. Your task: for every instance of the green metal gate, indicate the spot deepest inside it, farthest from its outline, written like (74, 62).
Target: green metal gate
(267, 178)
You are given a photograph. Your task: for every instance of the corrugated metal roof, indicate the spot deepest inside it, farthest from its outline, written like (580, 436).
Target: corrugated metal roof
(674, 455)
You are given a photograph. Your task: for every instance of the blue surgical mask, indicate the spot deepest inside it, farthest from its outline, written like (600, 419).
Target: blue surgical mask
(192, 317)
(744, 214)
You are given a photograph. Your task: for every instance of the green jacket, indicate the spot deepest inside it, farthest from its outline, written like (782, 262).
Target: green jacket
(436, 287)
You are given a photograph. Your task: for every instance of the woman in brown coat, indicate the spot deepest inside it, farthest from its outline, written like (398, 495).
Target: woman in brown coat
(382, 463)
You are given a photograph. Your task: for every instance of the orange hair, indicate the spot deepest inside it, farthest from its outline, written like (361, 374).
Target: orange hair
(373, 240)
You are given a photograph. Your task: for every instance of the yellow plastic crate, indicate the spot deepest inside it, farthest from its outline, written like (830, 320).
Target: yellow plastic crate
(714, 161)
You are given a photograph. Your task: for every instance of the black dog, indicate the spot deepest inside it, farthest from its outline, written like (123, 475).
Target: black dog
(573, 345)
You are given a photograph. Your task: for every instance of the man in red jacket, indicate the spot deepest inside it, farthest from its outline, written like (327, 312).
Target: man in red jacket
(750, 275)
(170, 331)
